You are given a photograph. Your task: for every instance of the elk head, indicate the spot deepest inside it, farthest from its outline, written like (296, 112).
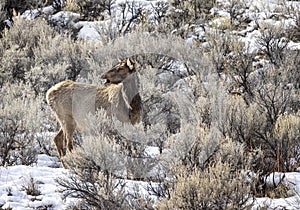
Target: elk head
(119, 72)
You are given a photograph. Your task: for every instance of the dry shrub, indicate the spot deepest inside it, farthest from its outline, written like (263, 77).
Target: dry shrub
(256, 125)
(146, 44)
(209, 171)
(3, 17)
(18, 120)
(34, 52)
(236, 10)
(219, 49)
(19, 43)
(67, 57)
(273, 43)
(293, 31)
(242, 121)
(15, 62)
(97, 170)
(15, 6)
(239, 67)
(71, 5)
(109, 155)
(27, 34)
(31, 187)
(259, 93)
(287, 132)
(42, 77)
(90, 9)
(216, 187)
(190, 11)
(24, 124)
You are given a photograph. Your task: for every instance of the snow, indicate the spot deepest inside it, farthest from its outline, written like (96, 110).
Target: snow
(89, 30)
(152, 151)
(32, 14)
(14, 180)
(293, 46)
(292, 179)
(64, 18)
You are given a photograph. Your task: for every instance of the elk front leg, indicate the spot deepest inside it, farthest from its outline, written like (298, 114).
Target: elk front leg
(59, 142)
(70, 128)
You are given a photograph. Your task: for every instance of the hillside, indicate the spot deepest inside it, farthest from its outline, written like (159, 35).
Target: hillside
(217, 93)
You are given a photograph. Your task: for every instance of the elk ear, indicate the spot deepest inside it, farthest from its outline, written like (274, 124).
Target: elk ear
(130, 64)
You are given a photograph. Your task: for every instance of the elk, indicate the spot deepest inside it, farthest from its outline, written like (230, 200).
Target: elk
(72, 102)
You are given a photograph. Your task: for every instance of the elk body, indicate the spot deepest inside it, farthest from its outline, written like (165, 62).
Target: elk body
(73, 101)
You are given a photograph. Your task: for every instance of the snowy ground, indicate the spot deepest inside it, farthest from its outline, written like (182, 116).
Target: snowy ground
(292, 179)
(15, 179)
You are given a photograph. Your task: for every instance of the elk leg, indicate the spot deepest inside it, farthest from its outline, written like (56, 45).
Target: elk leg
(59, 142)
(70, 128)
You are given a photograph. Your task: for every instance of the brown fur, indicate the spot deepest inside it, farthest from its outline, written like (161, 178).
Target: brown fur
(72, 101)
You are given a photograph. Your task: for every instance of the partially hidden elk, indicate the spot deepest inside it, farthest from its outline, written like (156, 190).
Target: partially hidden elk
(72, 102)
